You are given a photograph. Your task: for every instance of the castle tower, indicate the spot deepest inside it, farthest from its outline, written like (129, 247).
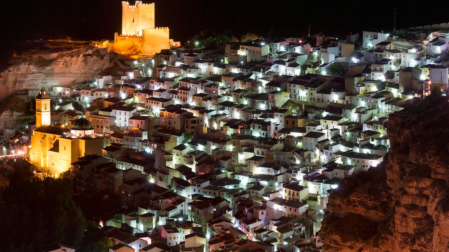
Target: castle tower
(137, 17)
(43, 116)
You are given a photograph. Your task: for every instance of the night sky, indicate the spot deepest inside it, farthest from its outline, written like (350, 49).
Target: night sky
(99, 19)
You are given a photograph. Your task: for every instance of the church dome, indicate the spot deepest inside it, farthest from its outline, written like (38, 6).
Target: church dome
(82, 124)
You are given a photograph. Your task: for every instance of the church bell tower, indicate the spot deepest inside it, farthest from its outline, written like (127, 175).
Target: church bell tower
(43, 116)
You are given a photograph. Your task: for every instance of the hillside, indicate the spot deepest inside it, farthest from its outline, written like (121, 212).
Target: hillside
(403, 206)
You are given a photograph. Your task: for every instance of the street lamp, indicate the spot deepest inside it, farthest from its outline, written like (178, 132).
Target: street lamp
(196, 43)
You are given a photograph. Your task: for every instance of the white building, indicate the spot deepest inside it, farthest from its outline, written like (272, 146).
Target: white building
(371, 39)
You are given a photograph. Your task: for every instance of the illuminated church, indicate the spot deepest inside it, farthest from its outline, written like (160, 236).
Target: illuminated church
(139, 34)
(55, 148)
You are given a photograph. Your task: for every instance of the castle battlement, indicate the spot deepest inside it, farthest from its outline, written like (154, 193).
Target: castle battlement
(156, 28)
(136, 5)
(129, 36)
(139, 31)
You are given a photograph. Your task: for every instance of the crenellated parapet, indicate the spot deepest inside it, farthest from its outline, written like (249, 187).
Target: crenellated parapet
(137, 4)
(138, 28)
(137, 17)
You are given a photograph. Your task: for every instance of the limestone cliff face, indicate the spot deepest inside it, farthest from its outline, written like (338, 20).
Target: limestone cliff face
(53, 69)
(403, 206)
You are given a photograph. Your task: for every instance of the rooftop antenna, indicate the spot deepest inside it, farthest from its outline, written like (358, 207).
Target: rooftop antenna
(394, 22)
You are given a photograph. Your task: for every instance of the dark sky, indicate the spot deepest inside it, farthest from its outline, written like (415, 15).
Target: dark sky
(99, 19)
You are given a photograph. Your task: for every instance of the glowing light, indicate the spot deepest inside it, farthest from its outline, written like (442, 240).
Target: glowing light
(151, 180)
(334, 186)
(324, 72)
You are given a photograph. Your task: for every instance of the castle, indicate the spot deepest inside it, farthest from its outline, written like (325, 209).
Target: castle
(56, 148)
(139, 34)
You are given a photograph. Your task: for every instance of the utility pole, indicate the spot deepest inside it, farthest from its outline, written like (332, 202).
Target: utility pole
(394, 22)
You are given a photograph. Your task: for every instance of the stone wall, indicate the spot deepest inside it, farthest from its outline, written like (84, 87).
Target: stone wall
(155, 40)
(137, 17)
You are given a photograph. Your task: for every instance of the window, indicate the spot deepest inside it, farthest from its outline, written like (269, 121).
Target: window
(64, 147)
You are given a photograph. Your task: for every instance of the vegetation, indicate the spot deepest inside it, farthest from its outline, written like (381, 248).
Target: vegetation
(291, 105)
(40, 62)
(435, 93)
(78, 107)
(98, 54)
(36, 212)
(94, 240)
(249, 37)
(115, 69)
(14, 103)
(187, 137)
(211, 39)
(333, 69)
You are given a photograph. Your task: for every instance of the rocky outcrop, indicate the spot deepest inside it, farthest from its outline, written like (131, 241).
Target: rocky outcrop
(403, 205)
(49, 69)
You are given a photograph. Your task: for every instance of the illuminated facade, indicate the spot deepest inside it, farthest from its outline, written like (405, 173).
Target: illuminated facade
(43, 117)
(56, 148)
(139, 34)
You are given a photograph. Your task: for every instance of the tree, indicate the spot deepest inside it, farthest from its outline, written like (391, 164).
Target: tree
(78, 107)
(435, 93)
(95, 241)
(333, 69)
(249, 37)
(44, 208)
(187, 138)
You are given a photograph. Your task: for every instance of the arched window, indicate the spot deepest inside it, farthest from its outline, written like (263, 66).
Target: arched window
(133, 19)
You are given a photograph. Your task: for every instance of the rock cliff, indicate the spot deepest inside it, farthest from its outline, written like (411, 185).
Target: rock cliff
(53, 64)
(403, 205)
